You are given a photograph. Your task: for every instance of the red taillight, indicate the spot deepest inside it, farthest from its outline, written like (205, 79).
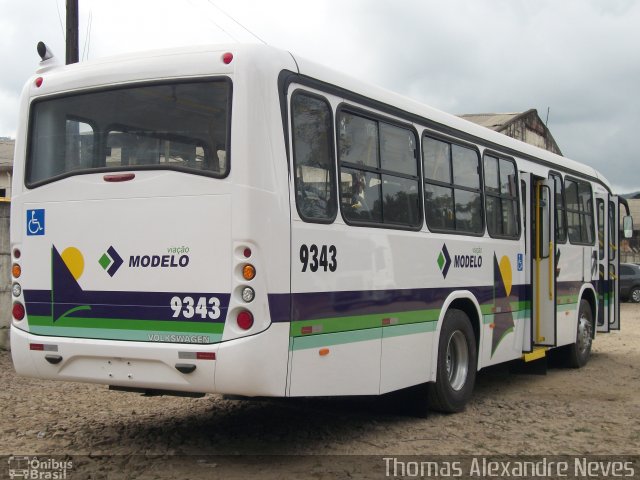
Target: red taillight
(227, 58)
(39, 81)
(36, 346)
(247, 252)
(16, 253)
(18, 311)
(245, 320)
(206, 355)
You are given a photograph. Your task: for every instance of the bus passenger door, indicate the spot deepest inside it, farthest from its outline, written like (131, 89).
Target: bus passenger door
(544, 262)
(613, 214)
(602, 254)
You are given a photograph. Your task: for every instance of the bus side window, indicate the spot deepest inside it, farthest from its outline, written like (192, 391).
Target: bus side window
(379, 179)
(560, 216)
(314, 174)
(500, 186)
(453, 195)
(579, 207)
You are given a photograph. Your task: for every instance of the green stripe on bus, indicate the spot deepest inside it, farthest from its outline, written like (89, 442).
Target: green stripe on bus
(519, 315)
(133, 324)
(340, 338)
(487, 308)
(117, 334)
(409, 329)
(362, 322)
(566, 307)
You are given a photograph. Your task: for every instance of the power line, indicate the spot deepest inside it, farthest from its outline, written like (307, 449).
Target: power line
(87, 35)
(237, 22)
(217, 25)
(64, 38)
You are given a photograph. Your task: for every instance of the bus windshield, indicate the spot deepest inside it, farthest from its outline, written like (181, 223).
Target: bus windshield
(180, 126)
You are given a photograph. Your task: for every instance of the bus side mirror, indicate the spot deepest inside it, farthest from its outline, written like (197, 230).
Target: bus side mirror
(627, 226)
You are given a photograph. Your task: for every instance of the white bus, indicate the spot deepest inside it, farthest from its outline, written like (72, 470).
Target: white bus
(238, 220)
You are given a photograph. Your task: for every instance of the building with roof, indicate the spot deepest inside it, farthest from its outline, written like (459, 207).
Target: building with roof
(526, 126)
(6, 167)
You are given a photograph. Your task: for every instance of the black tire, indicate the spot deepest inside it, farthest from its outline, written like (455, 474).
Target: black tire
(634, 295)
(579, 352)
(457, 364)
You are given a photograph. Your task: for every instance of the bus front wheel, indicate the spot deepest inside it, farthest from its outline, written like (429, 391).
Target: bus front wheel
(580, 351)
(457, 363)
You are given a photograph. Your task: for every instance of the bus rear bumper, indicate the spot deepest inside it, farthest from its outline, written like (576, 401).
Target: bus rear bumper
(250, 366)
(118, 363)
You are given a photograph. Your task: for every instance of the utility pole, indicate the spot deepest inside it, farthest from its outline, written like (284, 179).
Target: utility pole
(72, 54)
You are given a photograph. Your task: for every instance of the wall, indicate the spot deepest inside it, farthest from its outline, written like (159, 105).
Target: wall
(529, 128)
(5, 275)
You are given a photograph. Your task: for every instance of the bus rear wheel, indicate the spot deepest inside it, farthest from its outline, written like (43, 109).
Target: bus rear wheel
(457, 363)
(580, 351)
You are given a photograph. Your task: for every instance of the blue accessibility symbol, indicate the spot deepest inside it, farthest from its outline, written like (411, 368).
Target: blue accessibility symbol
(520, 262)
(35, 222)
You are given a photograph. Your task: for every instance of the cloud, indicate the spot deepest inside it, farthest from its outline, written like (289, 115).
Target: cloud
(577, 57)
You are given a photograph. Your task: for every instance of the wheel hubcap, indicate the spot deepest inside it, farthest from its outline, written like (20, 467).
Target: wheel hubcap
(457, 361)
(584, 334)
(635, 295)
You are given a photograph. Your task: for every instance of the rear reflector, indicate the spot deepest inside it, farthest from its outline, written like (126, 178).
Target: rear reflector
(205, 355)
(43, 347)
(197, 355)
(306, 330)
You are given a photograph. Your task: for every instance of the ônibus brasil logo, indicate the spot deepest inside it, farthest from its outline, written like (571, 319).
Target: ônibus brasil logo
(110, 261)
(444, 261)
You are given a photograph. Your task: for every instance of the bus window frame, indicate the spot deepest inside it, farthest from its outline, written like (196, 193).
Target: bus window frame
(460, 143)
(553, 174)
(200, 79)
(379, 118)
(333, 173)
(577, 181)
(516, 198)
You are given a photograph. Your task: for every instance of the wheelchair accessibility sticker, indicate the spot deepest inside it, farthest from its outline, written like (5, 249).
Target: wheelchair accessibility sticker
(35, 222)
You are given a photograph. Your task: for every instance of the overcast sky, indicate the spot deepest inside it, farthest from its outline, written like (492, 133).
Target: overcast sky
(580, 58)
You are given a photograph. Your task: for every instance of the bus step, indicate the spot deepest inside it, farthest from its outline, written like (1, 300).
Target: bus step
(536, 354)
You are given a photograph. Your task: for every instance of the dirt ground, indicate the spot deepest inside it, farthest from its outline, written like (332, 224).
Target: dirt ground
(106, 434)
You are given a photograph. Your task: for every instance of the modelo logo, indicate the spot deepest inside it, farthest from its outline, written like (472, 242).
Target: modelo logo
(459, 261)
(162, 261)
(467, 261)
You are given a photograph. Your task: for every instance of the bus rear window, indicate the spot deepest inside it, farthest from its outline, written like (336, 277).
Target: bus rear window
(180, 126)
